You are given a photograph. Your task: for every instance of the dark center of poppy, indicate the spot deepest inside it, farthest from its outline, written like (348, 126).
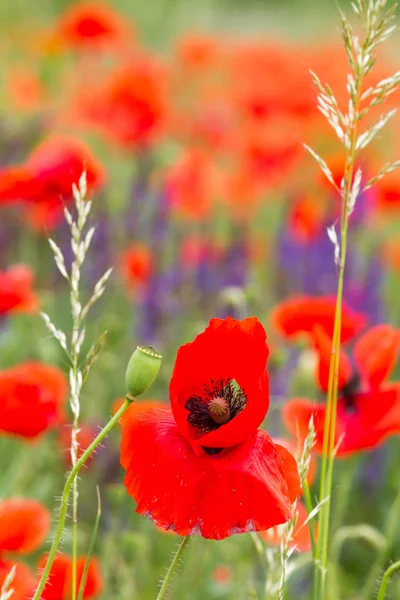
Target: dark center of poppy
(350, 390)
(220, 402)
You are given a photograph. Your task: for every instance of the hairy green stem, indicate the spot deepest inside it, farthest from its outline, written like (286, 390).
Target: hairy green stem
(172, 567)
(386, 578)
(66, 493)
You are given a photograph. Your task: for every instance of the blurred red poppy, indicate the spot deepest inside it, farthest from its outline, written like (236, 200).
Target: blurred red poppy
(191, 184)
(136, 265)
(24, 525)
(59, 586)
(300, 314)
(44, 181)
(204, 468)
(16, 293)
(32, 396)
(92, 25)
(368, 408)
(129, 106)
(301, 534)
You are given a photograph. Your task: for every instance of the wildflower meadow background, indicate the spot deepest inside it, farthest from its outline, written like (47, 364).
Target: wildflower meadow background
(190, 161)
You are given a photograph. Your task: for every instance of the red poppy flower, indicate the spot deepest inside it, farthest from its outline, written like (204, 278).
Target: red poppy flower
(136, 265)
(23, 584)
(191, 184)
(204, 468)
(300, 314)
(368, 408)
(60, 579)
(32, 395)
(129, 106)
(92, 25)
(44, 181)
(301, 534)
(16, 293)
(24, 525)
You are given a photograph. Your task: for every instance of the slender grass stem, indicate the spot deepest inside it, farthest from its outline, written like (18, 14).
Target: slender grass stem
(309, 507)
(172, 567)
(321, 564)
(66, 493)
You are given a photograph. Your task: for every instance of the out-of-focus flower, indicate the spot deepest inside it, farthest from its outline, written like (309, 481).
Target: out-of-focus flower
(191, 185)
(368, 407)
(182, 466)
(301, 534)
(388, 193)
(25, 90)
(129, 106)
(59, 586)
(136, 265)
(44, 181)
(32, 396)
(92, 25)
(24, 525)
(16, 293)
(222, 574)
(299, 315)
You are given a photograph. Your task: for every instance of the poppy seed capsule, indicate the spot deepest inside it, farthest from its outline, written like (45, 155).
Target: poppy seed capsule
(142, 370)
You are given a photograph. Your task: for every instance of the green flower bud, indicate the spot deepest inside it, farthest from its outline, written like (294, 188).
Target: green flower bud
(142, 370)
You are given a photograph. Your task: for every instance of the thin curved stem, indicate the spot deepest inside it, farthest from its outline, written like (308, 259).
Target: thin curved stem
(66, 492)
(172, 567)
(384, 554)
(386, 578)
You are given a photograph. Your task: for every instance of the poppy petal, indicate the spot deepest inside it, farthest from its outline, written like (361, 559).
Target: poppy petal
(59, 585)
(296, 448)
(300, 314)
(24, 525)
(228, 350)
(362, 425)
(246, 488)
(376, 352)
(323, 346)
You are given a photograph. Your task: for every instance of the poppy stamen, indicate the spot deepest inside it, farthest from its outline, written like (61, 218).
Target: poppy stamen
(221, 401)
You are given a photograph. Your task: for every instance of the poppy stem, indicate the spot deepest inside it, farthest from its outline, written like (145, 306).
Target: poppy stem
(66, 493)
(386, 578)
(172, 567)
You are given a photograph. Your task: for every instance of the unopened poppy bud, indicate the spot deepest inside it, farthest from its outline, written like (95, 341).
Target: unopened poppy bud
(142, 370)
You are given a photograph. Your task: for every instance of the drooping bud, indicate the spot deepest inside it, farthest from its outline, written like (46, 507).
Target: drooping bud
(219, 410)
(142, 369)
